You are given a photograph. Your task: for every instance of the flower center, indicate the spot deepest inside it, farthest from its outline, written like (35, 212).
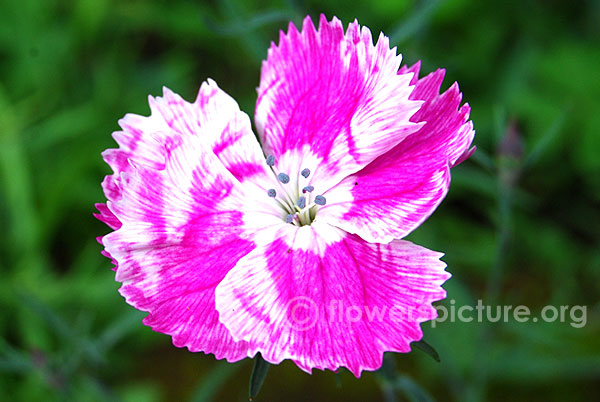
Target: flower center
(299, 206)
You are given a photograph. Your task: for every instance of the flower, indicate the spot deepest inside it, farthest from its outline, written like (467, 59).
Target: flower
(290, 250)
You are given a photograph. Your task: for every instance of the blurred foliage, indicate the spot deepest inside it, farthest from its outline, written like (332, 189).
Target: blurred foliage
(516, 229)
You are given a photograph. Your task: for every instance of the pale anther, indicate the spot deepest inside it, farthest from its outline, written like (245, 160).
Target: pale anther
(289, 218)
(284, 178)
(272, 192)
(302, 202)
(320, 200)
(270, 160)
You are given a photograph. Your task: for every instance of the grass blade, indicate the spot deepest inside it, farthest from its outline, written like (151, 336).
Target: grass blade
(259, 373)
(427, 348)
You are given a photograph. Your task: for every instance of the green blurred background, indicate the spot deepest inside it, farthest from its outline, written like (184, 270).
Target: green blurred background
(521, 224)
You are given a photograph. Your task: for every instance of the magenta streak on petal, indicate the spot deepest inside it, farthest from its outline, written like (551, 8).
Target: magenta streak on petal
(107, 255)
(466, 155)
(106, 216)
(181, 229)
(400, 189)
(149, 141)
(225, 142)
(179, 292)
(256, 300)
(174, 247)
(335, 93)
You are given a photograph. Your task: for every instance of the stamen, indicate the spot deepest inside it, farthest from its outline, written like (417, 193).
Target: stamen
(320, 200)
(301, 202)
(284, 178)
(290, 218)
(298, 208)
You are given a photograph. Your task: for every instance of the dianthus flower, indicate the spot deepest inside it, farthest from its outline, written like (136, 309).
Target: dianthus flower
(290, 249)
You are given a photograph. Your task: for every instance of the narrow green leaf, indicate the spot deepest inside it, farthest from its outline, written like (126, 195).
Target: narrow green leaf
(59, 326)
(251, 23)
(500, 122)
(13, 360)
(211, 384)
(52, 319)
(418, 20)
(411, 390)
(259, 373)
(547, 138)
(388, 375)
(119, 328)
(388, 368)
(483, 159)
(338, 380)
(427, 348)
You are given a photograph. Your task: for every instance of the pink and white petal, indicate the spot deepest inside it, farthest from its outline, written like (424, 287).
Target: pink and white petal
(224, 128)
(214, 116)
(107, 255)
(105, 215)
(327, 299)
(182, 231)
(138, 141)
(235, 144)
(396, 192)
(334, 97)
